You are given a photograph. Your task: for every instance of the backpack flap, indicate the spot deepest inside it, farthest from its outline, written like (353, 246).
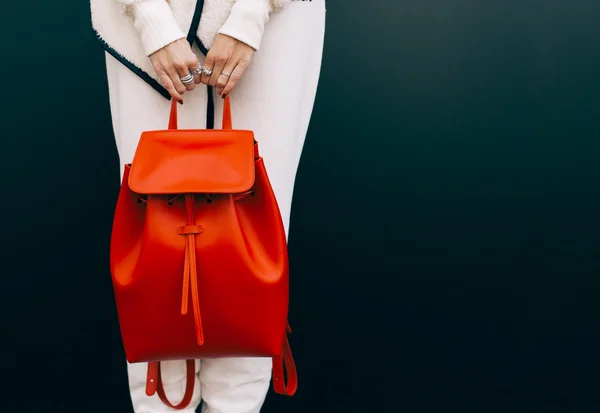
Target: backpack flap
(193, 161)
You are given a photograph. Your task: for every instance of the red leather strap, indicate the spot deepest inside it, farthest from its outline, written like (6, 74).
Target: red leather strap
(284, 365)
(152, 378)
(226, 114)
(173, 115)
(154, 384)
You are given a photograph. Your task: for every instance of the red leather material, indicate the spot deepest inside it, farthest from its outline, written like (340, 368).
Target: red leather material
(196, 216)
(177, 162)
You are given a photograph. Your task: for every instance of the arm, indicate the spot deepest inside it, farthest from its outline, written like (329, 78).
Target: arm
(155, 22)
(248, 18)
(164, 43)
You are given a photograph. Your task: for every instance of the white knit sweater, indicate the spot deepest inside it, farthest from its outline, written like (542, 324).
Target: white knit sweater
(134, 29)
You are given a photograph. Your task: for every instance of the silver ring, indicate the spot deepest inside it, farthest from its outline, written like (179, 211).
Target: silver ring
(187, 79)
(225, 74)
(199, 70)
(206, 71)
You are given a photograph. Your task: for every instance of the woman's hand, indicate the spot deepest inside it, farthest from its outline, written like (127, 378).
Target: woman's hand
(173, 62)
(228, 58)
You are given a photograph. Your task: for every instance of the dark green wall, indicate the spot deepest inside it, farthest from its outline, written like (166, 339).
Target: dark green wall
(445, 231)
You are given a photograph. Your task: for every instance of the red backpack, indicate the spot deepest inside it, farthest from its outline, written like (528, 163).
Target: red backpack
(198, 254)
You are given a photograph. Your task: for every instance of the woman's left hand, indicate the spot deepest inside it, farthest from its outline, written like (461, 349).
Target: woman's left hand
(228, 58)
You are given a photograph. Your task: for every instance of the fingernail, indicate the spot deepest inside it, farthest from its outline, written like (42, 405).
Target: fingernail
(181, 101)
(223, 95)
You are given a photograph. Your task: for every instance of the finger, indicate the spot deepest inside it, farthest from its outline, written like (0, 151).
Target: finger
(174, 75)
(220, 62)
(168, 84)
(224, 76)
(209, 63)
(197, 72)
(192, 65)
(235, 77)
(183, 69)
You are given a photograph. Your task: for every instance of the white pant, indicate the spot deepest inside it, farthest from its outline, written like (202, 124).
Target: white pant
(274, 99)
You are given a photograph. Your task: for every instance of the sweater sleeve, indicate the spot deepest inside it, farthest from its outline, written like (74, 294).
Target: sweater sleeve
(248, 18)
(155, 22)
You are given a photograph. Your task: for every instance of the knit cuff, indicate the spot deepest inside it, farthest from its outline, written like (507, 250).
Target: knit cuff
(246, 22)
(156, 24)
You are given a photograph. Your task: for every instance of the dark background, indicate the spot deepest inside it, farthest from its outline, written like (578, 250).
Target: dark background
(445, 230)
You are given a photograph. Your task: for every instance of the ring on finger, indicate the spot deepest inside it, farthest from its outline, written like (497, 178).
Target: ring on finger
(199, 70)
(187, 79)
(207, 71)
(225, 74)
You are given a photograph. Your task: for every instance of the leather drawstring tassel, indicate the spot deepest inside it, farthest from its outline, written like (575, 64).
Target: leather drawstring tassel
(190, 276)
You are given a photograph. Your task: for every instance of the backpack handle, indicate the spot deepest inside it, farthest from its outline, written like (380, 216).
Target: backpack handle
(226, 114)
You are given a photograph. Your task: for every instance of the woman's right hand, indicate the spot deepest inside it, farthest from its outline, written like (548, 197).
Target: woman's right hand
(173, 62)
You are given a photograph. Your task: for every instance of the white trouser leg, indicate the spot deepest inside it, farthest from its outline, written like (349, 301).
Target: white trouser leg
(234, 385)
